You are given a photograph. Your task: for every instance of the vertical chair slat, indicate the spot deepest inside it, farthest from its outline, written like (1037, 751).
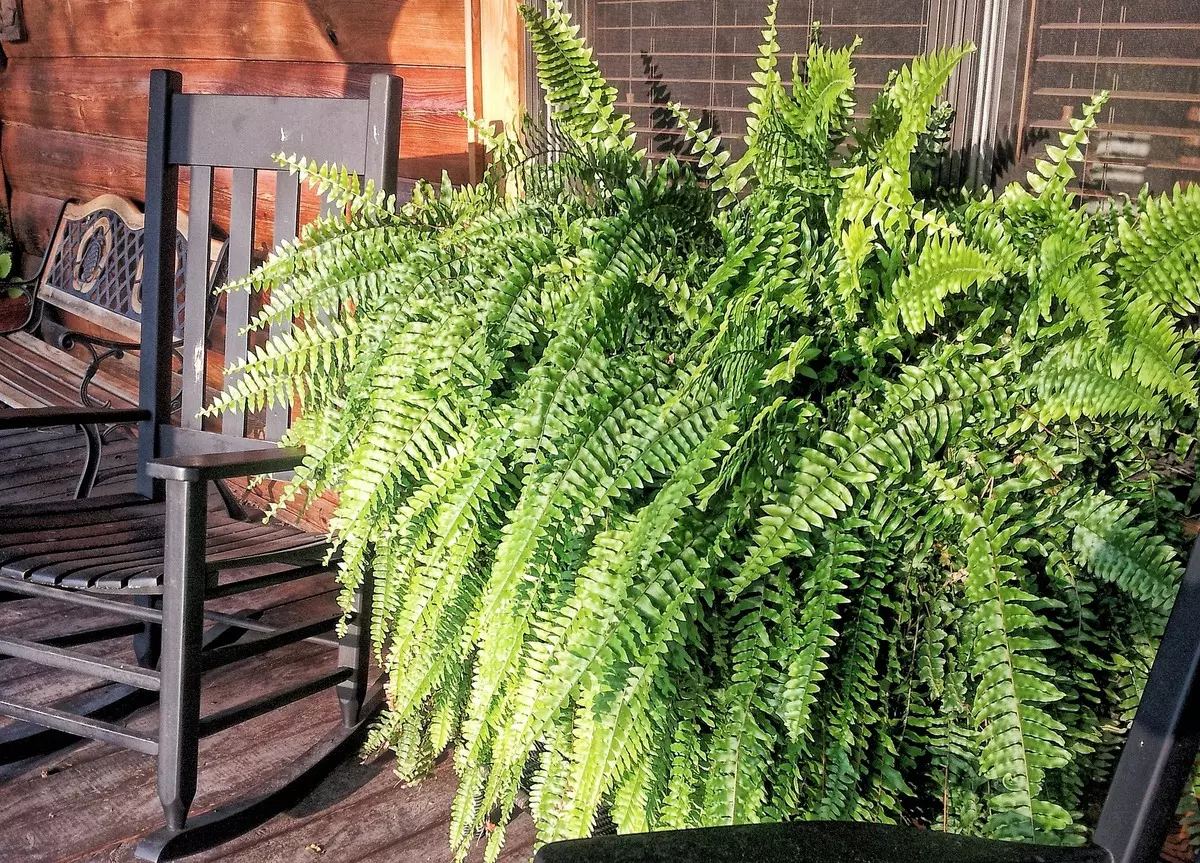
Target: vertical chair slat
(287, 223)
(237, 303)
(328, 208)
(195, 309)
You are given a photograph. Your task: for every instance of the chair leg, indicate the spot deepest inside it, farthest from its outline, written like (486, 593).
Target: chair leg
(276, 795)
(147, 644)
(91, 462)
(182, 634)
(354, 652)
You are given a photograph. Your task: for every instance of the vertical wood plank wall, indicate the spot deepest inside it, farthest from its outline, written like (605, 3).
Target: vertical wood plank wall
(73, 95)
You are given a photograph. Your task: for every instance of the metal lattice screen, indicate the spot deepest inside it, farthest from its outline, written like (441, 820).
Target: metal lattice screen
(1147, 53)
(1037, 61)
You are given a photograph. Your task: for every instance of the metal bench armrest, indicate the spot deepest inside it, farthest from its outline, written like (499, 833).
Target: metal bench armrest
(100, 349)
(226, 465)
(27, 418)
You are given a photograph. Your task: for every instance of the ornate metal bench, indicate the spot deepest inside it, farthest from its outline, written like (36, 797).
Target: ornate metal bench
(91, 269)
(172, 540)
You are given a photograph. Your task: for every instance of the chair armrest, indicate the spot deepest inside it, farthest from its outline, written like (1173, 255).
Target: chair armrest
(27, 418)
(225, 465)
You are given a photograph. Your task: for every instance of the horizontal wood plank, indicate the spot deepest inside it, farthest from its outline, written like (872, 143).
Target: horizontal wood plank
(55, 164)
(108, 96)
(429, 32)
(66, 165)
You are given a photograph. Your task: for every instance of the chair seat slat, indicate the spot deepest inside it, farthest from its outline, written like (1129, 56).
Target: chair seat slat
(122, 547)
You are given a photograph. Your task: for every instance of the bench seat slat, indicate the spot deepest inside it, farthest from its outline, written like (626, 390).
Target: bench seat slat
(72, 368)
(27, 385)
(50, 376)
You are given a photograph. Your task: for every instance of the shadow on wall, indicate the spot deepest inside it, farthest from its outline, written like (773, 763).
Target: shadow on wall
(667, 137)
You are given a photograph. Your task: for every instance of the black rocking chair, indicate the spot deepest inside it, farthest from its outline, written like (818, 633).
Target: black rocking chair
(1149, 779)
(155, 556)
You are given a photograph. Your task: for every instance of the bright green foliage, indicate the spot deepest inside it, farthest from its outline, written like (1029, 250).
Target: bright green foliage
(5, 246)
(774, 488)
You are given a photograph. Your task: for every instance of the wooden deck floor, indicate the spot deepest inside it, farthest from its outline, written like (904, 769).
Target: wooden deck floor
(92, 802)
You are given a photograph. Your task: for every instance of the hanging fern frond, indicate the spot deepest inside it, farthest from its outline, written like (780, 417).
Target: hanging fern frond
(1021, 739)
(1162, 250)
(942, 268)
(782, 487)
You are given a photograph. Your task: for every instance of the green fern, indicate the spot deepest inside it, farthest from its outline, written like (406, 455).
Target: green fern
(764, 489)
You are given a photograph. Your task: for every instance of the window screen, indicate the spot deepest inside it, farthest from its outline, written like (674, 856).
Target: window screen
(1147, 53)
(1038, 61)
(702, 53)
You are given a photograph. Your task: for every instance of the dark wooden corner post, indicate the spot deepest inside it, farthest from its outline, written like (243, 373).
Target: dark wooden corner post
(186, 502)
(383, 131)
(158, 276)
(383, 143)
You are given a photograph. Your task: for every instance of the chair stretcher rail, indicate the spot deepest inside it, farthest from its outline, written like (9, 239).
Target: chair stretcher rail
(69, 660)
(93, 729)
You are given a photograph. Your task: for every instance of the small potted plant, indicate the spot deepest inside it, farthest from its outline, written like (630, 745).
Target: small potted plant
(6, 246)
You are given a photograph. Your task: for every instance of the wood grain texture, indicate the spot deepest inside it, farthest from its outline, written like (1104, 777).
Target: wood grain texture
(107, 96)
(4, 202)
(92, 802)
(501, 42)
(49, 163)
(33, 220)
(426, 32)
(12, 24)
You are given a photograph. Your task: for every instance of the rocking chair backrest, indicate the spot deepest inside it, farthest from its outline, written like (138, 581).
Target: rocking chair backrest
(203, 132)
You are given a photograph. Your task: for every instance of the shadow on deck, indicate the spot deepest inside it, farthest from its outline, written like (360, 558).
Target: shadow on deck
(93, 802)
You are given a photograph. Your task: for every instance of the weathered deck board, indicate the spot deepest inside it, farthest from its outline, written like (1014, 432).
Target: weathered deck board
(93, 802)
